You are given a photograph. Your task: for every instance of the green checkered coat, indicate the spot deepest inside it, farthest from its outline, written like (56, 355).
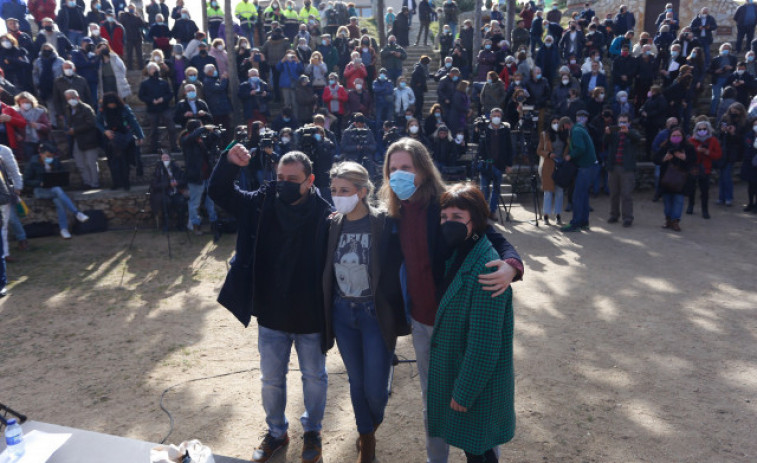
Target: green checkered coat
(472, 360)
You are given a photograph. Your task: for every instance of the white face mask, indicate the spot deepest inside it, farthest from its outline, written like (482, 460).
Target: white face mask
(26, 106)
(6, 44)
(261, 132)
(565, 81)
(555, 127)
(285, 140)
(73, 103)
(68, 72)
(166, 163)
(220, 48)
(413, 129)
(345, 204)
(358, 86)
(496, 120)
(459, 138)
(95, 32)
(157, 59)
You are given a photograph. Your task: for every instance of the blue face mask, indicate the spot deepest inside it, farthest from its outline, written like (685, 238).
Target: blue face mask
(402, 184)
(215, 73)
(403, 84)
(191, 95)
(537, 76)
(111, 19)
(454, 78)
(254, 80)
(192, 78)
(488, 47)
(408, 117)
(725, 52)
(317, 137)
(286, 119)
(48, 160)
(382, 77)
(184, 16)
(447, 65)
(323, 42)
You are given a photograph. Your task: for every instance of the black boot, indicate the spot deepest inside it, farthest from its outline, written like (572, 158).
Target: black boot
(216, 229)
(690, 209)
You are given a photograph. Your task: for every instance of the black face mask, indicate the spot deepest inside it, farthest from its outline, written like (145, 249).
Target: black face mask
(105, 52)
(454, 233)
(49, 28)
(47, 53)
(203, 52)
(288, 192)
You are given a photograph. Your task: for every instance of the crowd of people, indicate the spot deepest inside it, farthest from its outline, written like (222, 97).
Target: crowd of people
(327, 113)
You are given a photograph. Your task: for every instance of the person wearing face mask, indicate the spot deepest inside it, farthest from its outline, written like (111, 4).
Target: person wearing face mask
(539, 92)
(363, 303)
(674, 153)
(153, 9)
(553, 144)
(536, 32)
(720, 69)
(40, 9)
(38, 124)
(47, 68)
(743, 82)
(383, 93)
(34, 174)
(355, 69)
(708, 151)
(15, 62)
(470, 397)
(202, 58)
(192, 107)
(82, 127)
(411, 190)
(167, 189)
(191, 76)
(69, 80)
(622, 143)
(624, 70)
(215, 18)
(254, 94)
(286, 120)
(493, 93)
(133, 25)
(359, 100)
(486, 61)
(418, 83)
(582, 154)
(733, 127)
(520, 37)
(160, 35)
(547, 60)
(49, 34)
(71, 20)
(434, 119)
(446, 152)
(198, 165)
(123, 135)
(404, 100)
(413, 131)
(572, 42)
(622, 105)
(112, 73)
(392, 58)
(112, 31)
(184, 28)
(288, 221)
(702, 27)
(334, 98)
(157, 57)
(495, 157)
(306, 101)
(565, 83)
(157, 94)
(401, 28)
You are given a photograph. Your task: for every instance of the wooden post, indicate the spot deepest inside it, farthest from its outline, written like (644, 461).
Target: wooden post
(476, 30)
(378, 12)
(510, 19)
(204, 7)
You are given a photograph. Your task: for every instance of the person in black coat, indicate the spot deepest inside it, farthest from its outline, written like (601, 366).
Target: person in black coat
(702, 27)
(592, 80)
(687, 41)
(184, 28)
(746, 19)
(678, 153)
(424, 17)
(191, 107)
(670, 65)
(743, 82)
(157, 94)
(418, 83)
(167, 190)
(401, 27)
(624, 21)
(71, 22)
(653, 113)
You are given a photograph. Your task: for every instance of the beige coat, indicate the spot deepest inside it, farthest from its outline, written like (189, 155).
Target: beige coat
(546, 164)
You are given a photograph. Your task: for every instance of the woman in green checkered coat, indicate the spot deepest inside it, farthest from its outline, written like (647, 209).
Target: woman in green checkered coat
(470, 383)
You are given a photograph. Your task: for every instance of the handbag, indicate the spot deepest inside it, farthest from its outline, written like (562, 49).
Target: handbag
(564, 174)
(22, 210)
(674, 179)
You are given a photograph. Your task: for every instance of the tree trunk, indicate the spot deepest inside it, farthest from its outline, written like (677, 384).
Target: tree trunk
(476, 31)
(378, 12)
(204, 7)
(233, 76)
(510, 19)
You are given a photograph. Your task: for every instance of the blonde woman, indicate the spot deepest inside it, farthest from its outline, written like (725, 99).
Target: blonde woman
(38, 123)
(218, 51)
(317, 72)
(363, 303)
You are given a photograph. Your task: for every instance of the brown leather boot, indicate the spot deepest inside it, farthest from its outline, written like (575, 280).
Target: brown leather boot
(357, 441)
(367, 451)
(675, 225)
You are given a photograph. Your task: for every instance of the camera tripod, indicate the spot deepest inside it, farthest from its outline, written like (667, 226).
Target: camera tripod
(523, 152)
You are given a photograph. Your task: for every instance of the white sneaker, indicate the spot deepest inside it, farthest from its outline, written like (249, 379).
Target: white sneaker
(82, 217)
(65, 234)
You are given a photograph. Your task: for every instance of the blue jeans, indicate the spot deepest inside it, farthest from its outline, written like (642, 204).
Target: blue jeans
(453, 28)
(744, 32)
(437, 450)
(195, 196)
(367, 359)
(248, 30)
(717, 90)
(493, 176)
(553, 201)
(580, 200)
(274, 348)
(725, 183)
(15, 225)
(384, 112)
(707, 57)
(673, 205)
(393, 74)
(75, 38)
(600, 176)
(62, 203)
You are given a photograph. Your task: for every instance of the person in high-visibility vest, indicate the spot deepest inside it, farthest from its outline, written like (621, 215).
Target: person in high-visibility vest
(307, 10)
(291, 21)
(247, 13)
(215, 18)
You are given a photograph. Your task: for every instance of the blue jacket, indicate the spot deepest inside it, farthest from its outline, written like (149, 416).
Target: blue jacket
(289, 73)
(85, 66)
(251, 103)
(216, 95)
(383, 92)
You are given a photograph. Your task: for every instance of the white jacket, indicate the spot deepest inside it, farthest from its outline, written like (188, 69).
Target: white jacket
(11, 167)
(403, 98)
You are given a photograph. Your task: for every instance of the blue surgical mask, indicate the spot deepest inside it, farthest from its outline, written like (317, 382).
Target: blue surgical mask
(184, 16)
(382, 77)
(725, 52)
(48, 160)
(447, 65)
(749, 59)
(317, 137)
(111, 19)
(402, 184)
(403, 84)
(287, 119)
(323, 42)
(488, 46)
(537, 76)
(408, 117)
(454, 78)
(192, 78)
(215, 73)
(191, 95)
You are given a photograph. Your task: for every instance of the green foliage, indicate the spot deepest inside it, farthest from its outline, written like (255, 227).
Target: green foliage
(466, 5)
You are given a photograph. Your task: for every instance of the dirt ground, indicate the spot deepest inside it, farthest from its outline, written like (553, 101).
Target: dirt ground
(631, 345)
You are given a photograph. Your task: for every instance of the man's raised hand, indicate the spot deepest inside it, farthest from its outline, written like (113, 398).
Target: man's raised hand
(239, 156)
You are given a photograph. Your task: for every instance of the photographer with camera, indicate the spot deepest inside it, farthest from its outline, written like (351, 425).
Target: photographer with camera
(445, 150)
(359, 144)
(197, 146)
(495, 156)
(311, 140)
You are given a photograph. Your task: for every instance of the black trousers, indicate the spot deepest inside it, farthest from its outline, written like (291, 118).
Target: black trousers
(135, 49)
(119, 170)
(703, 182)
(487, 457)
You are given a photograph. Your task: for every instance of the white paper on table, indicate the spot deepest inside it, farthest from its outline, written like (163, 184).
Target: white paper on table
(40, 446)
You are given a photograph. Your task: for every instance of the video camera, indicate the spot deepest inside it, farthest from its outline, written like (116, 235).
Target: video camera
(529, 119)
(306, 137)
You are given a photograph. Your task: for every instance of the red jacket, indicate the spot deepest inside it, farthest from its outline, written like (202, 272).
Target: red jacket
(43, 9)
(117, 41)
(17, 122)
(352, 72)
(341, 96)
(705, 160)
